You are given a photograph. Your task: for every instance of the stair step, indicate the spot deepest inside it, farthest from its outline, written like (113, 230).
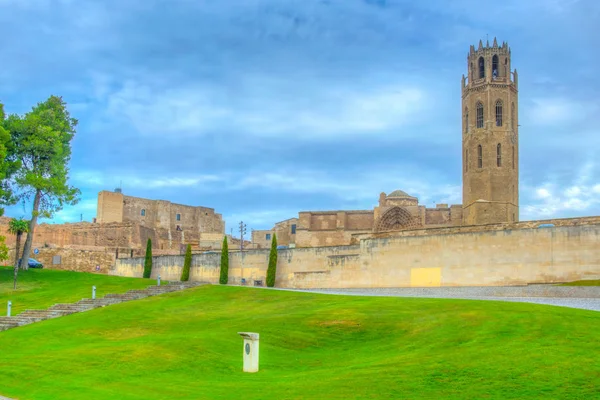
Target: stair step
(62, 309)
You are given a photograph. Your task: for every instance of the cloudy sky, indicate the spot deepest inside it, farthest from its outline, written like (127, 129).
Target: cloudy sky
(263, 108)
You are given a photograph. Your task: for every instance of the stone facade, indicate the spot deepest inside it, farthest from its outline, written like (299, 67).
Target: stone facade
(157, 214)
(396, 211)
(490, 137)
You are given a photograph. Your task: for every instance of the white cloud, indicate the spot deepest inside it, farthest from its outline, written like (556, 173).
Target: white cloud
(265, 107)
(552, 111)
(138, 181)
(553, 200)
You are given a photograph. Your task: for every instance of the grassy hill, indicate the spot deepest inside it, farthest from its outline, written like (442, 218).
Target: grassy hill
(185, 345)
(39, 289)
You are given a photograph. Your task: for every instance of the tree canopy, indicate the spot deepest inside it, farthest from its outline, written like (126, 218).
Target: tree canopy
(41, 146)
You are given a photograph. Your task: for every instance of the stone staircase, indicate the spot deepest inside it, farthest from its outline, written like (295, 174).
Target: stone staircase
(62, 309)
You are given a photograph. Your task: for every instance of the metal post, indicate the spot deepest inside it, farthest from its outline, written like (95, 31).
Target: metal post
(9, 308)
(158, 281)
(242, 231)
(93, 292)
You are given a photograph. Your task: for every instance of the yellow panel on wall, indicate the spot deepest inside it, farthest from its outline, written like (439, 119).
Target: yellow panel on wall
(424, 277)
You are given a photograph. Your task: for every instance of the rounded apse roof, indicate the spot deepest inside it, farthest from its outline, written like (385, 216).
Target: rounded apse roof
(399, 193)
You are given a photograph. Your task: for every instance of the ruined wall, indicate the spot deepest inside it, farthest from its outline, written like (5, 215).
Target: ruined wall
(262, 238)
(286, 232)
(75, 258)
(161, 214)
(110, 207)
(484, 258)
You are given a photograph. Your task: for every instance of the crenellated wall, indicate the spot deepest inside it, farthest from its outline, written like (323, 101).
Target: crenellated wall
(476, 258)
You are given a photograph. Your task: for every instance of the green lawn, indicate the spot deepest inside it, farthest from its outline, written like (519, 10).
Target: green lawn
(582, 283)
(184, 345)
(39, 289)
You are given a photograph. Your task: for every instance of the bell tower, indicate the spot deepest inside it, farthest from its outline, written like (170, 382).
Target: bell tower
(490, 136)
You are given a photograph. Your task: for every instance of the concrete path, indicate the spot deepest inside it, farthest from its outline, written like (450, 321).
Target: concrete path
(584, 297)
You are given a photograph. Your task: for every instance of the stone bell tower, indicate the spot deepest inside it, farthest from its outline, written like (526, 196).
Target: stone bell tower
(490, 137)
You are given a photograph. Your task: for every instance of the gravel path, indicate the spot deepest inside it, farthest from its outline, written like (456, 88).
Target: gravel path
(587, 298)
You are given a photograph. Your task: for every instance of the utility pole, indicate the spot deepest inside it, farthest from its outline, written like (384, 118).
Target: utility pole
(242, 232)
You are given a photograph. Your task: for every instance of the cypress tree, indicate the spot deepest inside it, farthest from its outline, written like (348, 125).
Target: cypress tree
(272, 270)
(224, 276)
(187, 263)
(148, 260)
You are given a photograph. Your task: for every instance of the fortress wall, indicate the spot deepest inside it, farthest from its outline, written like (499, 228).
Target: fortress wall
(487, 258)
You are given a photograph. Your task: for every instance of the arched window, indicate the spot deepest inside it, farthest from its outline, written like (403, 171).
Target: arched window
(472, 72)
(479, 115)
(499, 113)
(143, 212)
(499, 155)
(466, 120)
(467, 160)
(479, 157)
(512, 116)
(495, 66)
(513, 157)
(481, 68)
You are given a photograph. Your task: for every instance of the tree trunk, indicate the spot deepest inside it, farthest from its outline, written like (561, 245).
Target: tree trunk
(29, 241)
(18, 247)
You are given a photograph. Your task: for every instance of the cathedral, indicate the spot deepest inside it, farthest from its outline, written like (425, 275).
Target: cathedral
(490, 169)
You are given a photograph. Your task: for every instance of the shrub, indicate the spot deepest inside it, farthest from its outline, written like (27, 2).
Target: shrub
(148, 260)
(272, 270)
(187, 263)
(224, 275)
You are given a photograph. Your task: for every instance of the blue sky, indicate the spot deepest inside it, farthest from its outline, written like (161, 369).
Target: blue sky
(263, 108)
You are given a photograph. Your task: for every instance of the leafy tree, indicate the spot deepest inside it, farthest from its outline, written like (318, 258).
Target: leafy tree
(8, 163)
(187, 264)
(148, 260)
(17, 227)
(272, 269)
(42, 146)
(7, 167)
(224, 273)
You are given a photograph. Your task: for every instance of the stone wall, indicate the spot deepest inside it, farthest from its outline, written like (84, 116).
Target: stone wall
(76, 258)
(478, 258)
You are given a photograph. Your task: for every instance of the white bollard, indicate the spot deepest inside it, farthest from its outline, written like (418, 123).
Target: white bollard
(93, 292)
(158, 281)
(8, 308)
(250, 351)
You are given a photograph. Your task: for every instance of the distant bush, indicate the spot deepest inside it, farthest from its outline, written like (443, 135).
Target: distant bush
(187, 264)
(272, 269)
(224, 275)
(148, 260)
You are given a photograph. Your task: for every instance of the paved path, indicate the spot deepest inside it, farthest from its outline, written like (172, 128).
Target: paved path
(587, 298)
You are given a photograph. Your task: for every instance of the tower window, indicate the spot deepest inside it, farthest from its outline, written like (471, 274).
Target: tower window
(495, 66)
(479, 115)
(499, 113)
(467, 160)
(481, 68)
(466, 120)
(293, 229)
(178, 217)
(512, 116)
(479, 157)
(268, 236)
(499, 155)
(143, 212)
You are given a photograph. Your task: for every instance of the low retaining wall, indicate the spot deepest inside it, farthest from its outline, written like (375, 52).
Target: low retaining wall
(492, 258)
